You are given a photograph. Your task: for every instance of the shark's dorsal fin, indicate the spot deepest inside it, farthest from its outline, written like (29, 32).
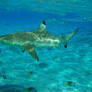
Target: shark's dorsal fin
(31, 50)
(42, 26)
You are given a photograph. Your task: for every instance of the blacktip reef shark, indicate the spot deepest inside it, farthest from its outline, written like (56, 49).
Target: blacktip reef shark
(39, 38)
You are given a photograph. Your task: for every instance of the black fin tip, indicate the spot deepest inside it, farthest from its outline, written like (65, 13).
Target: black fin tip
(65, 46)
(44, 22)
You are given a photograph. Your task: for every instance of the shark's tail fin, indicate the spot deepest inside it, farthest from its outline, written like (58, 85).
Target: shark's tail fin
(68, 37)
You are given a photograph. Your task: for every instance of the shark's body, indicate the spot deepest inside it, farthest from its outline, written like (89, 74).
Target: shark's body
(36, 39)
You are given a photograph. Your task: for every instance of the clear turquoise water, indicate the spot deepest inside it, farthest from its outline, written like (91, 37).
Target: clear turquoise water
(56, 66)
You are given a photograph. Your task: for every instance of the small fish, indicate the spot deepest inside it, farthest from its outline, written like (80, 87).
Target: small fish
(69, 83)
(30, 73)
(31, 89)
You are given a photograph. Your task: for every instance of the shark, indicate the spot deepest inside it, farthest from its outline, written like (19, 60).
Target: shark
(39, 38)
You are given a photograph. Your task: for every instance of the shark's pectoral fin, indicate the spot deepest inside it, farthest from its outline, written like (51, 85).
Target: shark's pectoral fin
(31, 50)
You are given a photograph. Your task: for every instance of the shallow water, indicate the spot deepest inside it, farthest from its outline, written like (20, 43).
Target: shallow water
(58, 70)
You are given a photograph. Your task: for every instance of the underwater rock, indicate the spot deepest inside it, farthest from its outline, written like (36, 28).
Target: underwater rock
(69, 83)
